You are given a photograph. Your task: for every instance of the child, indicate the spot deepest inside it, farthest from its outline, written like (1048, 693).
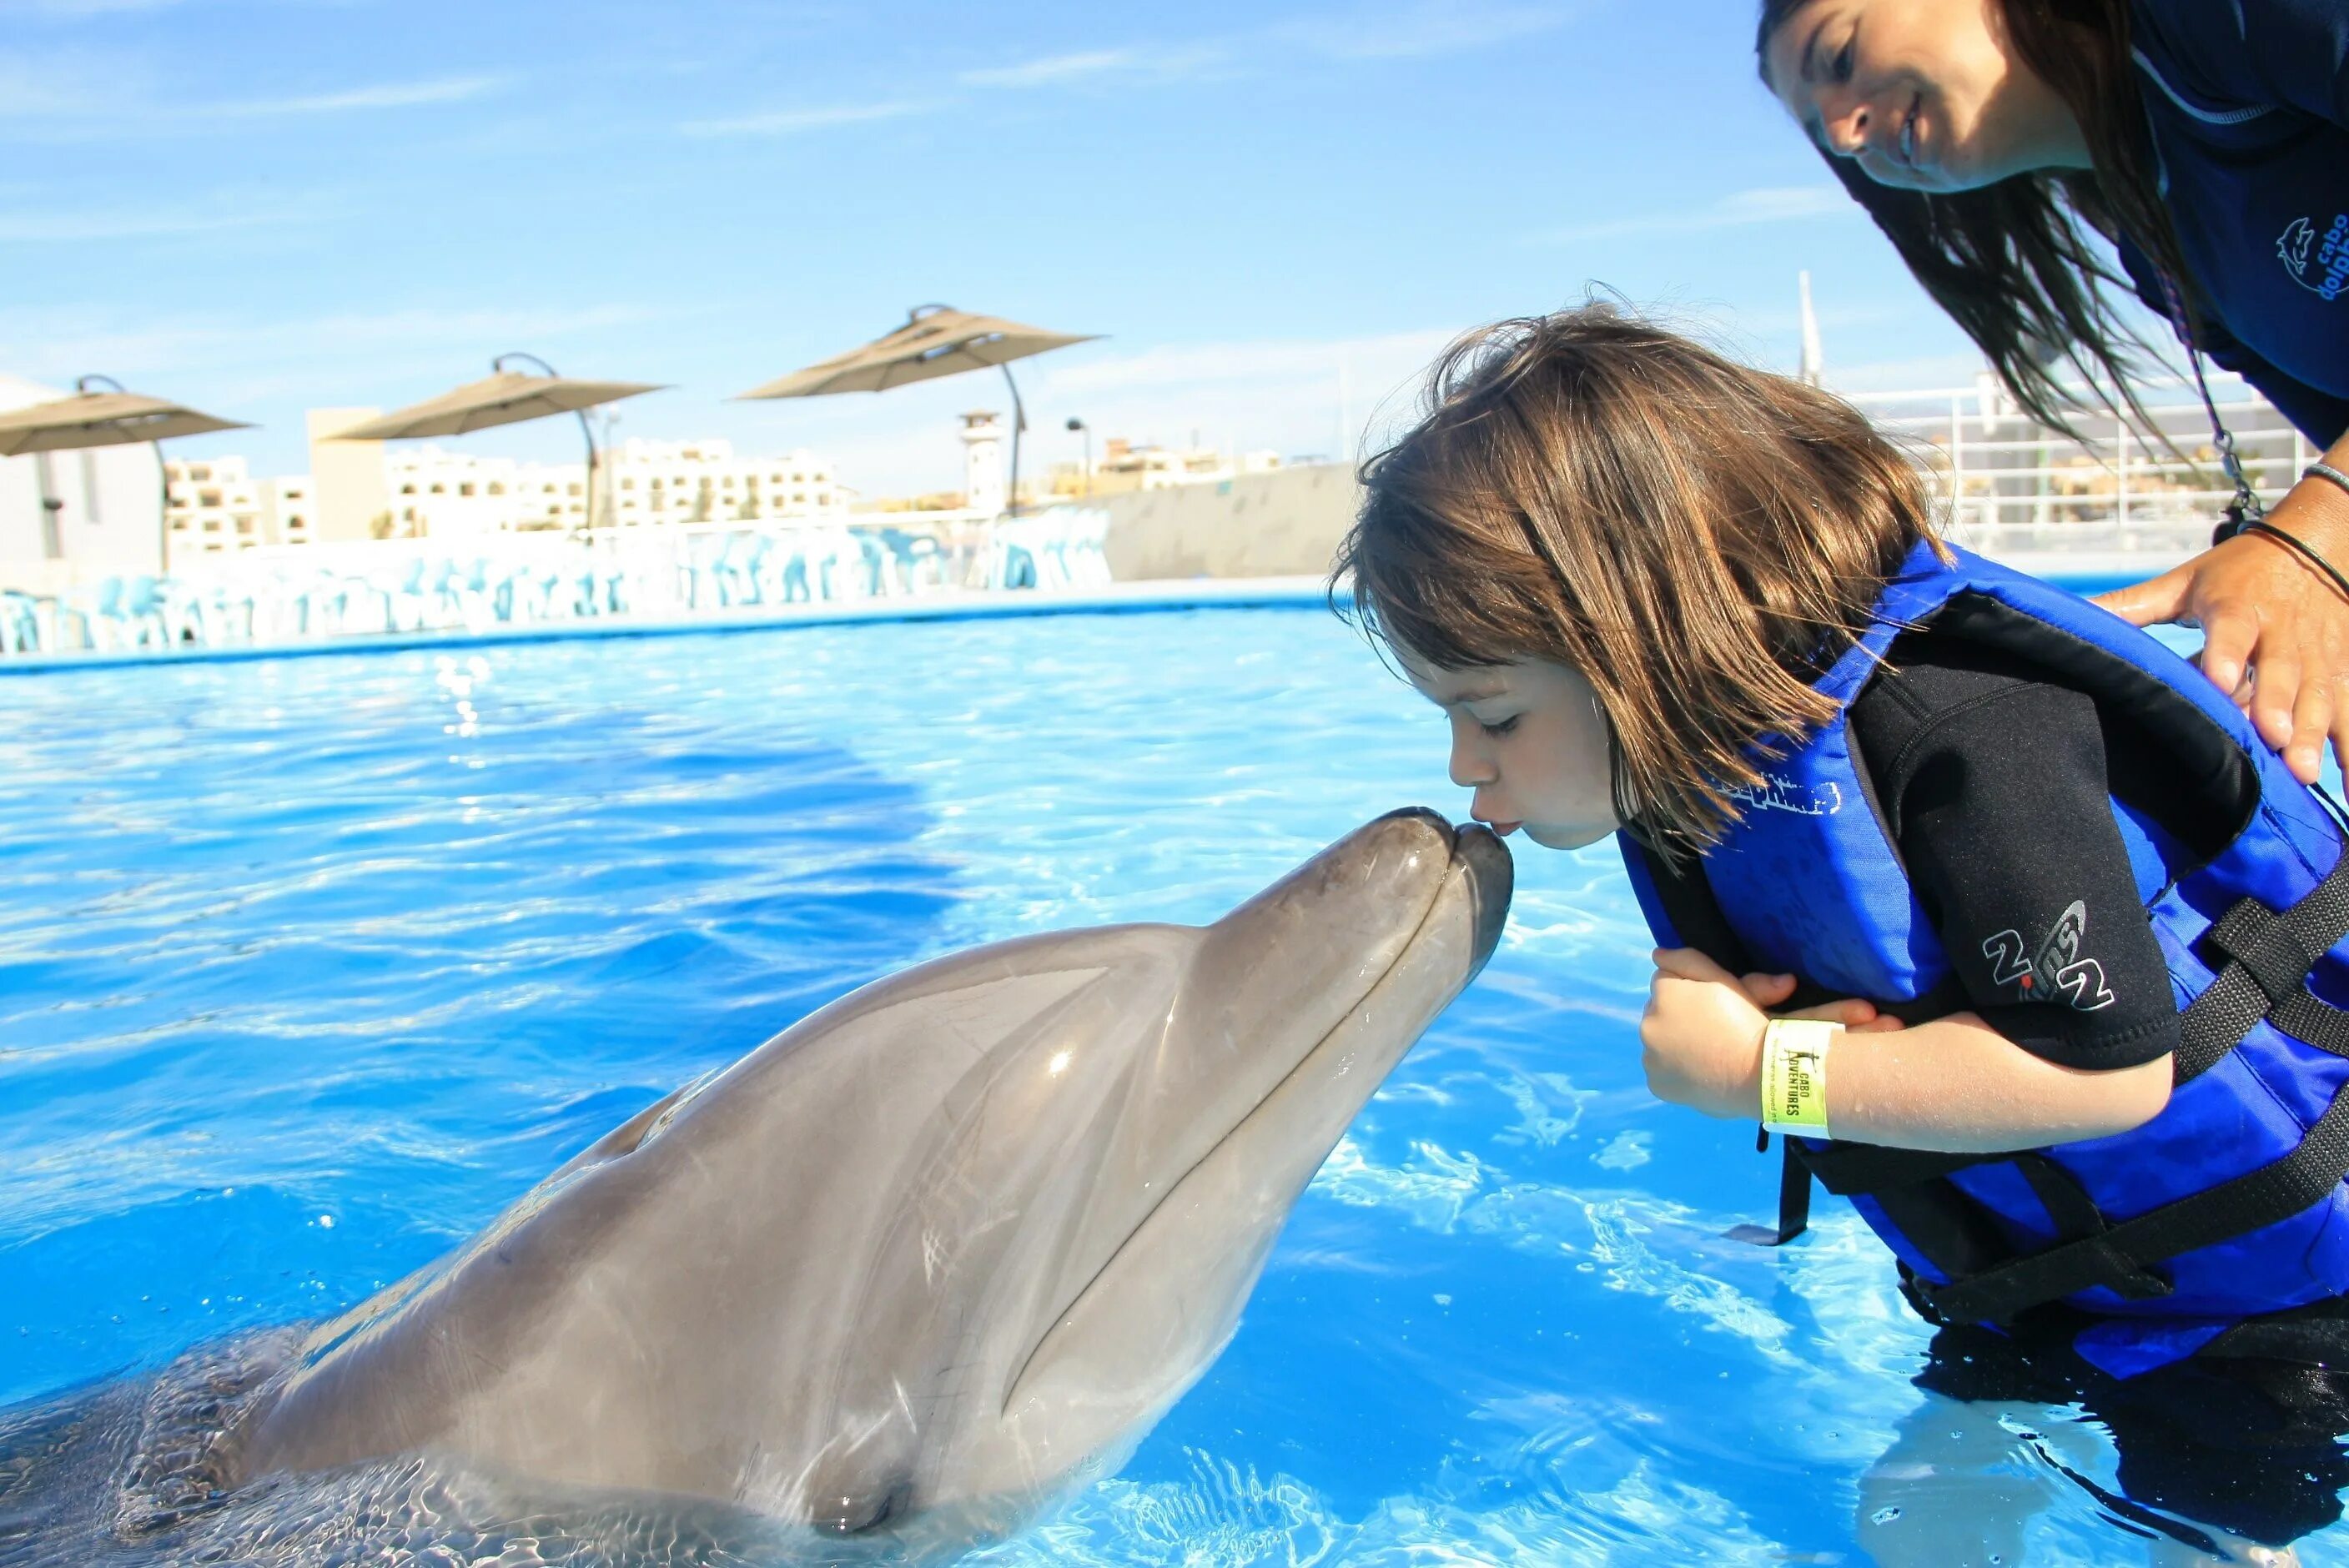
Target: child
(1996, 907)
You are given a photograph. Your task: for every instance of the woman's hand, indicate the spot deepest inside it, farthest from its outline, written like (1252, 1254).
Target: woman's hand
(1701, 1037)
(2275, 631)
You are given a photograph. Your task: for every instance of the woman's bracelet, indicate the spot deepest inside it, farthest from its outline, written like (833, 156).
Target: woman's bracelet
(2300, 547)
(2325, 472)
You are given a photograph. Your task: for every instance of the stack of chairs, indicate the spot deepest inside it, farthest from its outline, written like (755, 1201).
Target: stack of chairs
(1060, 550)
(405, 588)
(20, 624)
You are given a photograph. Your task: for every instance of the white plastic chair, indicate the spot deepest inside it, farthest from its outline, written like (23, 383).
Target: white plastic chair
(20, 624)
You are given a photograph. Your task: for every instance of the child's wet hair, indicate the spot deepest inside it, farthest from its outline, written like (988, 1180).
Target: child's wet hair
(1697, 537)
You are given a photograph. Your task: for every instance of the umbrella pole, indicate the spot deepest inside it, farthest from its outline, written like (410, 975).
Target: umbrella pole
(163, 524)
(1019, 423)
(588, 430)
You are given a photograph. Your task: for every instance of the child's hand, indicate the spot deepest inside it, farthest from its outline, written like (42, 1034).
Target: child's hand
(1702, 1033)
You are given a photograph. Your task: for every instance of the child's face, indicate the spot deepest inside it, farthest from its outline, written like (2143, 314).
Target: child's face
(1527, 739)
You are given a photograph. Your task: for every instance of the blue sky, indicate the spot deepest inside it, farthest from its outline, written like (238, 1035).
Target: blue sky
(1275, 210)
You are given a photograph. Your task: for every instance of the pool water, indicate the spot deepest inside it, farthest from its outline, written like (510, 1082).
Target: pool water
(309, 967)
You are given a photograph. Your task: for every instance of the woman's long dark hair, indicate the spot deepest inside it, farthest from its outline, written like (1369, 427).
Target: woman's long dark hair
(2012, 263)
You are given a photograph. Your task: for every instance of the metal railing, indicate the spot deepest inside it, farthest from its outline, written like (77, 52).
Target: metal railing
(2003, 478)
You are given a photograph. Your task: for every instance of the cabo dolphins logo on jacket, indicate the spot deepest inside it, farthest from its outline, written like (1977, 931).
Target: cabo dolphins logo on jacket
(2056, 973)
(1777, 794)
(2319, 263)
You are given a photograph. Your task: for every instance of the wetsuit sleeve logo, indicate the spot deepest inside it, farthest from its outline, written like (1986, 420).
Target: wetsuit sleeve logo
(2055, 973)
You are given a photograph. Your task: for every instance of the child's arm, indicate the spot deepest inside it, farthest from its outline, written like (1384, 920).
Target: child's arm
(1953, 1084)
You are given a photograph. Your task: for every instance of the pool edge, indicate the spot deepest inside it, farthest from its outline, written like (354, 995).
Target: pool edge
(1140, 598)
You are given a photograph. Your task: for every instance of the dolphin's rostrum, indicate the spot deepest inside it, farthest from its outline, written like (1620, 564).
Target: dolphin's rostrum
(942, 1249)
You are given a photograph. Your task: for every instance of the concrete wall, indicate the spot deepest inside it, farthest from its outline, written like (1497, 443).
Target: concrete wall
(1285, 523)
(110, 524)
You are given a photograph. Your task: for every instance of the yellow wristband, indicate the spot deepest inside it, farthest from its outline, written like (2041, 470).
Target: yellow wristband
(1795, 1075)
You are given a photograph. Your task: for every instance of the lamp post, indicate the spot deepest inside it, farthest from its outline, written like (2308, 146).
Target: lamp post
(1077, 424)
(610, 420)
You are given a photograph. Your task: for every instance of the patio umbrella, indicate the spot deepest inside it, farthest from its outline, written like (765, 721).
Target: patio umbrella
(506, 398)
(936, 340)
(105, 416)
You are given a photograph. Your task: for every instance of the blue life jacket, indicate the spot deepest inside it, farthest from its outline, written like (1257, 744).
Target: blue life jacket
(2220, 1227)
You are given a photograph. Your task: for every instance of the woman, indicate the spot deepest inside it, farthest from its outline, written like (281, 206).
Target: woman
(1992, 138)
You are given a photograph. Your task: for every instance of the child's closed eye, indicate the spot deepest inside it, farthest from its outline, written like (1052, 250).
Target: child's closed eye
(1500, 727)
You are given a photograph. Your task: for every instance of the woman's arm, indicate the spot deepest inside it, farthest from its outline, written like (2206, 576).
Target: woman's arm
(2275, 629)
(1954, 1084)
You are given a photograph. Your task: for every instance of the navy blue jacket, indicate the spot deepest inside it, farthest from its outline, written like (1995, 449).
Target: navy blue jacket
(2248, 101)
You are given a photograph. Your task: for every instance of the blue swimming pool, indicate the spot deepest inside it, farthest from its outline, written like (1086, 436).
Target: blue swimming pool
(308, 966)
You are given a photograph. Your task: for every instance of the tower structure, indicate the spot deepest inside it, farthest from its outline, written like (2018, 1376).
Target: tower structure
(983, 487)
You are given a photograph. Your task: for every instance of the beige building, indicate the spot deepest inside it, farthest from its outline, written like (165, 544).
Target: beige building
(348, 497)
(1126, 468)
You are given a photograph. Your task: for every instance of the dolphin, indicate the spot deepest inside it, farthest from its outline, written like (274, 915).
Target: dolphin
(941, 1250)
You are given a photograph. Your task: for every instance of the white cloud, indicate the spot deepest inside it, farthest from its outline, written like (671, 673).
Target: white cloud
(1284, 361)
(793, 122)
(1053, 69)
(383, 95)
(78, 96)
(80, 7)
(1374, 30)
(1407, 29)
(69, 226)
(54, 85)
(348, 358)
(1152, 64)
(76, 10)
(1769, 204)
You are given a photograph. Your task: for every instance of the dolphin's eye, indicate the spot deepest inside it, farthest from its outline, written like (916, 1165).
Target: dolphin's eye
(864, 1512)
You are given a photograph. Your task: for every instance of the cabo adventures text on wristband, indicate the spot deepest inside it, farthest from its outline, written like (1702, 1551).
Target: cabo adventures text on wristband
(1795, 1075)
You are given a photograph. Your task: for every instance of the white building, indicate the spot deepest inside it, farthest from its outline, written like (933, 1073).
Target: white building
(704, 481)
(216, 507)
(293, 508)
(1125, 468)
(213, 505)
(70, 518)
(443, 494)
(446, 495)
